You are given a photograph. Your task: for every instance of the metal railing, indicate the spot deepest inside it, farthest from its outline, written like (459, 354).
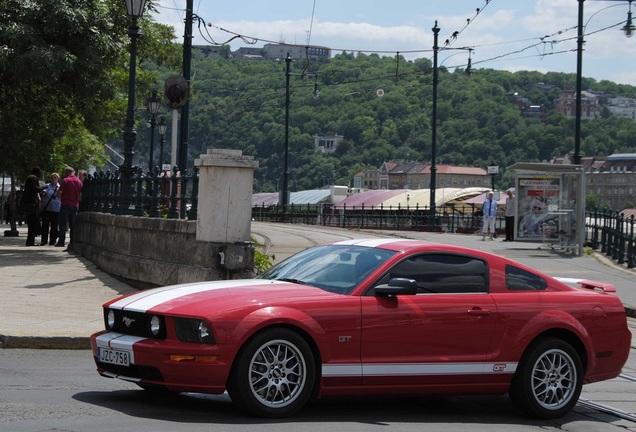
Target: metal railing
(610, 232)
(170, 194)
(448, 218)
(613, 234)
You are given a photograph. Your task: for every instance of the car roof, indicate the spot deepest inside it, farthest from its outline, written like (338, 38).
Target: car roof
(408, 245)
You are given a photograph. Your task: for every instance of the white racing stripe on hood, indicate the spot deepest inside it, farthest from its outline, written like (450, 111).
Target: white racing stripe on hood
(372, 242)
(146, 300)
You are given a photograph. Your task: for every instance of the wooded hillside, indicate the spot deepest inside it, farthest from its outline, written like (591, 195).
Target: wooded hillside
(240, 104)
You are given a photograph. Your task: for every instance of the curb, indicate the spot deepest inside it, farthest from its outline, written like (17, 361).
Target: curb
(40, 342)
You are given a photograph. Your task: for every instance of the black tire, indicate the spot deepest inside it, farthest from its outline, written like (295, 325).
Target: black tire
(273, 375)
(549, 379)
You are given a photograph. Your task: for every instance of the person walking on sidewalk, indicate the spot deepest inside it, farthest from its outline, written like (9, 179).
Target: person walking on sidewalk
(490, 213)
(511, 203)
(50, 211)
(69, 193)
(30, 204)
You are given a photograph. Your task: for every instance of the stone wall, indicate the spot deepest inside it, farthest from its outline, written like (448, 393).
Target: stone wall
(156, 251)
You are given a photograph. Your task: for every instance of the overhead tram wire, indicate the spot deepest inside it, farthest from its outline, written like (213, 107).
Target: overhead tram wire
(542, 41)
(455, 35)
(251, 40)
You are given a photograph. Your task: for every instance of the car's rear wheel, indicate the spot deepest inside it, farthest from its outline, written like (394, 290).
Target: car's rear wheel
(273, 375)
(549, 379)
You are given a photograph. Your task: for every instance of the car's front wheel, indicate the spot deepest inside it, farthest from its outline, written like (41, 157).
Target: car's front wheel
(549, 379)
(274, 374)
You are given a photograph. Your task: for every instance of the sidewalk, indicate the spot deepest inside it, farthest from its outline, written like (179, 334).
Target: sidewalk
(50, 298)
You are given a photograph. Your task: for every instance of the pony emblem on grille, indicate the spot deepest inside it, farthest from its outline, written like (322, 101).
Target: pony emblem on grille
(128, 321)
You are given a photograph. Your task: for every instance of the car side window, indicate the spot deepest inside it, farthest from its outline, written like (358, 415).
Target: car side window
(521, 280)
(443, 273)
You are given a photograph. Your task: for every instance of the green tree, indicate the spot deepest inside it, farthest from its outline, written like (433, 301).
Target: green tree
(241, 104)
(54, 71)
(64, 86)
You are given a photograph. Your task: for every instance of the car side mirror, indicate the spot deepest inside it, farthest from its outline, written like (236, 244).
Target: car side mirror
(397, 286)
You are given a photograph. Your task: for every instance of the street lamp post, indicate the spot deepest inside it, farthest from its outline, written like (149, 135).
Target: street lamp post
(576, 159)
(162, 132)
(285, 193)
(135, 9)
(154, 103)
(434, 129)
(628, 29)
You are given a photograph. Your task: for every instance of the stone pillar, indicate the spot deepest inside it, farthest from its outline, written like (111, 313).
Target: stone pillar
(225, 196)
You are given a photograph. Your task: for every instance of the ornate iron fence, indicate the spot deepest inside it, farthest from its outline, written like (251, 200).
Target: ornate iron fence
(448, 218)
(613, 233)
(170, 194)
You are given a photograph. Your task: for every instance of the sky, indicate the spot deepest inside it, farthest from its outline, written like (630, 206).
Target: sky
(512, 35)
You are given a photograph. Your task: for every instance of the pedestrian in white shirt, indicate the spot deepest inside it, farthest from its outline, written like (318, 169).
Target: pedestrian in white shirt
(490, 213)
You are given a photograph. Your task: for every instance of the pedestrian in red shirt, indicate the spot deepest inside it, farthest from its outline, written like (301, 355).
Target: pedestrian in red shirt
(69, 193)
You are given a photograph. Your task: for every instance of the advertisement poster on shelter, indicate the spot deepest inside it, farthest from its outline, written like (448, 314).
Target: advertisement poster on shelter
(538, 200)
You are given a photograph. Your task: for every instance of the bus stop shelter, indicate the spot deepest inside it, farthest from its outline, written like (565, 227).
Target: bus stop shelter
(550, 205)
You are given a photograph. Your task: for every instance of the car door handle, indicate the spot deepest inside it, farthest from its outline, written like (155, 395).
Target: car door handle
(478, 311)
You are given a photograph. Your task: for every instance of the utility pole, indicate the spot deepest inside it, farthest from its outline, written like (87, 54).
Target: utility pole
(185, 111)
(434, 131)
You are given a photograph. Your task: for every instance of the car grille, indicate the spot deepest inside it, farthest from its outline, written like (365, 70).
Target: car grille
(133, 371)
(134, 324)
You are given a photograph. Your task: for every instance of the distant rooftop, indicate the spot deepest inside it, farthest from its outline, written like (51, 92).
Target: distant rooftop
(622, 156)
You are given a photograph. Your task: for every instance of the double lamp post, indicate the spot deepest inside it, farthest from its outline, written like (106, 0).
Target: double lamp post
(135, 9)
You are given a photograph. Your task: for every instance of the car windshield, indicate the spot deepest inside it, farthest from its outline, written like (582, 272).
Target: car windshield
(335, 268)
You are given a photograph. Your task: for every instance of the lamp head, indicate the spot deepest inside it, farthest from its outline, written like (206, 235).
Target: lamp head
(154, 103)
(162, 126)
(316, 93)
(135, 8)
(629, 27)
(469, 68)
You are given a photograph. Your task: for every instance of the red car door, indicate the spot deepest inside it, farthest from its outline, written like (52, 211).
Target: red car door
(442, 335)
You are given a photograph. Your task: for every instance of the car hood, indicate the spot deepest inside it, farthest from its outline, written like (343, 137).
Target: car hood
(203, 297)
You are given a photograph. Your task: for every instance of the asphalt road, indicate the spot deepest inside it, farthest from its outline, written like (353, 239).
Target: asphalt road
(50, 390)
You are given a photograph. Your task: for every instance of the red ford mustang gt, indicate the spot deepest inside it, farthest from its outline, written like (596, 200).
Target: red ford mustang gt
(362, 317)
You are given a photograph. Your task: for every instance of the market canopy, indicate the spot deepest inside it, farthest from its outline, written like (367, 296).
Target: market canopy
(411, 198)
(385, 198)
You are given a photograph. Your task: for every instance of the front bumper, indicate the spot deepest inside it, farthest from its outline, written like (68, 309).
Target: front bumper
(171, 364)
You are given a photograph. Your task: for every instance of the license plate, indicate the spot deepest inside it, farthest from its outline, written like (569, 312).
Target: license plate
(120, 358)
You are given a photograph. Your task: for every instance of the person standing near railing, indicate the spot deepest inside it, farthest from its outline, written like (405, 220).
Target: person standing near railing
(511, 203)
(30, 203)
(490, 216)
(69, 193)
(50, 211)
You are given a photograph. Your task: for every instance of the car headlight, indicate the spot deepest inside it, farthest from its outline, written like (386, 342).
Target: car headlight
(156, 326)
(110, 319)
(204, 331)
(194, 330)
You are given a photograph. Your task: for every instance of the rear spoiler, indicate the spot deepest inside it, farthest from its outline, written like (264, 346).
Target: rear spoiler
(589, 284)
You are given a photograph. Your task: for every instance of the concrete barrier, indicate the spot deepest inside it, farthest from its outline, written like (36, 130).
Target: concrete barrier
(157, 252)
